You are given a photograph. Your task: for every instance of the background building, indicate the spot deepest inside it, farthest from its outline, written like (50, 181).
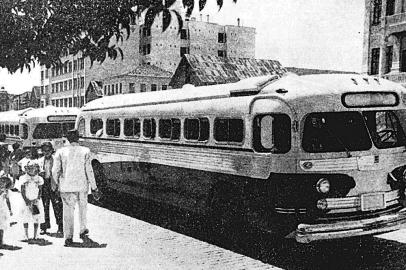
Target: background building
(384, 52)
(67, 84)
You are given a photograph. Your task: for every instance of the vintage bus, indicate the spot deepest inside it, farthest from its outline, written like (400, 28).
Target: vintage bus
(31, 127)
(307, 157)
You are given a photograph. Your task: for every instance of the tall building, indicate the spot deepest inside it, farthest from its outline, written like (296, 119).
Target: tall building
(198, 36)
(384, 48)
(66, 85)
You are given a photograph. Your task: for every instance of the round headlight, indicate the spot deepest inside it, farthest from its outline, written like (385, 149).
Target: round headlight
(322, 204)
(323, 186)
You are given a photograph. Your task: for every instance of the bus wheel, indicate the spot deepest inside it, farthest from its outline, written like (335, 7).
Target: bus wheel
(226, 215)
(101, 182)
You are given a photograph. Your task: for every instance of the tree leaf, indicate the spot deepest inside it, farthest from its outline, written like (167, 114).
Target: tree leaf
(202, 4)
(166, 19)
(180, 20)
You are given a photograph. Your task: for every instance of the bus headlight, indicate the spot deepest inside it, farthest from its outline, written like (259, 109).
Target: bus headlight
(322, 204)
(323, 186)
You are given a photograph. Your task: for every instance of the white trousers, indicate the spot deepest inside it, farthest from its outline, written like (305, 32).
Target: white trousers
(69, 200)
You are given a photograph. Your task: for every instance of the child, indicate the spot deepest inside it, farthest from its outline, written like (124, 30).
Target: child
(32, 209)
(5, 185)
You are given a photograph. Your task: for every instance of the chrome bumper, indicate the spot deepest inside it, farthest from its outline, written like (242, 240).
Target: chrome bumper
(306, 233)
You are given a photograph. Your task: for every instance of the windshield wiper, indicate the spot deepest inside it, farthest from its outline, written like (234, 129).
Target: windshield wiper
(338, 140)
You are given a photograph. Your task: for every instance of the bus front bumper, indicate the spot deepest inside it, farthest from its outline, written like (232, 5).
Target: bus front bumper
(306, 233)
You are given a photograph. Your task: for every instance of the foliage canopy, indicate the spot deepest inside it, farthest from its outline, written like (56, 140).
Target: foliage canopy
(42, 30)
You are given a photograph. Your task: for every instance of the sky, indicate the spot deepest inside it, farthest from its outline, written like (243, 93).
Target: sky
(323, 34)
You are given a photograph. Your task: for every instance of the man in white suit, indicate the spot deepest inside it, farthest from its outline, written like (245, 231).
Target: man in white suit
(73, 173)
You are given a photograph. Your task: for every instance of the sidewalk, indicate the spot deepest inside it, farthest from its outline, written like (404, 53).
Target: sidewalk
(117, 241)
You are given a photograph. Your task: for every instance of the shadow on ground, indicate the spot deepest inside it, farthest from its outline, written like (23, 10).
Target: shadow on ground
(353, 253)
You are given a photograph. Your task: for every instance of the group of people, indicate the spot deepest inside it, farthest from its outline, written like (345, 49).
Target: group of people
(59, 177)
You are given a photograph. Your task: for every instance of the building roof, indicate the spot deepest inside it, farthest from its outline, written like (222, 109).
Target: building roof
(149, 71)
(219, 70)
(97, 87)
(309, 71)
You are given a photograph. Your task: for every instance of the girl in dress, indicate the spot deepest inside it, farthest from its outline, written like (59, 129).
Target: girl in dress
(5, 185)
(32, 209)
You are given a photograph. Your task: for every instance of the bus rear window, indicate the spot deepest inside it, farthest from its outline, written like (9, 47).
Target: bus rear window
(335, 132)
(47, 131)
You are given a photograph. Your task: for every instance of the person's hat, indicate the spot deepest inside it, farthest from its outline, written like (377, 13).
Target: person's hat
(46, 145)
(72, 135)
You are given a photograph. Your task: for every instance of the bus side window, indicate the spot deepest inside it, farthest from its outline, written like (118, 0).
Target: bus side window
(81, 127)
(272, 133)
(24, 134)
(95, 125)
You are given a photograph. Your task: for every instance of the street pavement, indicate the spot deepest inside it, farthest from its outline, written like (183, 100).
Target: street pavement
(117, 241)
(123, 237)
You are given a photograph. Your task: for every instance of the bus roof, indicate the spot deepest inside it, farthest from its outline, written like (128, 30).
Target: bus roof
(50, 110)
(290, 87)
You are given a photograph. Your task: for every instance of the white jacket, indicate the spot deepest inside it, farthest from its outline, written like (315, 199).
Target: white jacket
(72, 169)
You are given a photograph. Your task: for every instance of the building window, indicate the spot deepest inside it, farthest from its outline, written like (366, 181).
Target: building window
(390, 7)
(46, 74)
(52, 88)
(75, 83)
(75, 65)
(221, 53)
(184, 34)
(82, 82)
(164, 87)
(376, 12)
(146, 32)
(143, 87)
(228, 130)
(131, 88)
(82, 63)
(153, 87)
(121, 88)
(42, 75)
(70, 66)
(116, 88)
(374, 61)
(389, 57)
(46, 89)
(65, 85)
(70, 102)
(65, 68)
(222, 38)
(183, 51)
(105, 90)
(70, 84)
(42, 89)
(112, 89)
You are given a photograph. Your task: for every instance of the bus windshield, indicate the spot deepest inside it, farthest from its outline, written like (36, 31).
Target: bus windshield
(52, 130)
(335, 132)
(351, 131)
(385, 129)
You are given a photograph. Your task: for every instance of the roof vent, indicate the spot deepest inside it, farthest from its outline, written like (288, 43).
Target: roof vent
(281, 91)
(354, 81)
(252, 86)
(366, 80)
(377, 81)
